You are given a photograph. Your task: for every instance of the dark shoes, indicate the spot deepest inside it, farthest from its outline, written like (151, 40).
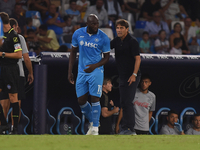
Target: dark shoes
(14, 131)
(3, 128)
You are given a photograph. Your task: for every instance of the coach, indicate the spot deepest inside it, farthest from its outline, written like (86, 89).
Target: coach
(128, 60)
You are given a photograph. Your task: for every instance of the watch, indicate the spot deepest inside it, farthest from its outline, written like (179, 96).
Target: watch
(3, 55)
(135, 74)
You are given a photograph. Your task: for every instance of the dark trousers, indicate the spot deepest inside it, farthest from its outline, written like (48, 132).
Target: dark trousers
(127, 94)
(139, 132)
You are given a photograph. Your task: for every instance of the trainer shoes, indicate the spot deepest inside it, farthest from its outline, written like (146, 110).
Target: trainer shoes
(89, 132)
(94, 132)
(14, 131)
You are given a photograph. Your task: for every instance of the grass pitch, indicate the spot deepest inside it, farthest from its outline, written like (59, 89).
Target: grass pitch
(101, 142)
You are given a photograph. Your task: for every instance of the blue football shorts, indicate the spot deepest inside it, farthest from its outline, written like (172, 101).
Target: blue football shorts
(90, 82)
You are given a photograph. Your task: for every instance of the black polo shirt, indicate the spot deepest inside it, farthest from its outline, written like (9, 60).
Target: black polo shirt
(105, 123)
(11, 44)
(125, 51)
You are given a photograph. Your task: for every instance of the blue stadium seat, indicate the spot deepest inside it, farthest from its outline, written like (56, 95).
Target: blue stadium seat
(152, 49)
(151, 123)
(67, 118)
(50, 122)
(140, 24)
(186, 117)
(23, 123)
(65, 39)
(161, 118)
(139, 39)
(33, 54)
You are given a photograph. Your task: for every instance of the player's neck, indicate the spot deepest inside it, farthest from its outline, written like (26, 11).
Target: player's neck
(171, 126)
(196, 129)
(6, 27)
(105, 90)
(123, 37)
(144, 91)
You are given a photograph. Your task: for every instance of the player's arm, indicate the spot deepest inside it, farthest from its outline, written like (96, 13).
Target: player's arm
(106, 113)
(119, 120)
(72, 59)
(28, 64)
(103, 61)
(15, 55)
(150, 115)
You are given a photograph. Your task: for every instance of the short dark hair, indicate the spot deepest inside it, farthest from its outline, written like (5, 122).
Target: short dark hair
(43, 27)
(72, 1)
(105, 80)
(28, 20)
(29, 31)
(13, 22)
(161, 31)
(177, 40)
(145, 32)
(145, 76)
(122, 22)
(66, 17)
(172, 112)
(195, 115)
(4, 17)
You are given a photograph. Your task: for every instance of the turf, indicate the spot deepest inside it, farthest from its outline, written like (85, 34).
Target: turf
(101, 142)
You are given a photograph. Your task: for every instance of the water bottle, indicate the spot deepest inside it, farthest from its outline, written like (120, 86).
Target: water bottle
(69, 131)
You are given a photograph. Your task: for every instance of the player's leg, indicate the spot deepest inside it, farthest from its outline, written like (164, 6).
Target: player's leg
(82, 94)
(95, 89)
(4, 126)
(5, 103)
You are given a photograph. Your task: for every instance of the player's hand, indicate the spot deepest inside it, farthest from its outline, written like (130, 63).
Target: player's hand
(116, 109)
(111, 103)
(90, 68)
(117, 129)
(131, 79)
(30, 78)
(178, 126)
(71, 78)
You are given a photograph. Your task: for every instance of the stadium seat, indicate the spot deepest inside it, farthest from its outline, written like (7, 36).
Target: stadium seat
(161, 118)
(139, 39)
(138, 33)
(108, 32)
(186, 117)
(35, 15)
(67, 118)
(50, 122)
(151, 123)
(152, 49)
(140, 24)
(32, 54)
(23, 123)
(65, 39)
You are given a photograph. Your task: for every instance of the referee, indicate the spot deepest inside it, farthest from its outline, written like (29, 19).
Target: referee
(10, 52)
(128, 60)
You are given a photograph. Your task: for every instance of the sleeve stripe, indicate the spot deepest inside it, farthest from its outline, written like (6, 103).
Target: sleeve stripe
(107, 52)
(18, 50)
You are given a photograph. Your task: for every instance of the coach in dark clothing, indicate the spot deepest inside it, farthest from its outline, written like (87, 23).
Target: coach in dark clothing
(128, 60)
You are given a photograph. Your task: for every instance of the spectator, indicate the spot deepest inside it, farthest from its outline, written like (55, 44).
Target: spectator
(177, 34)
(54, 20)
(29, 25)
(25, 4)
(162, 44)
(156, 25)
(17, 14)
(172, 127)
(73, 12)
(106, 108)
(68, 28)
(195, 130)
(144, 104)
(145, 43)
(82, 6)
(114, 10)
(176, 50)
(100, 12)
(47, 39)
(148, 8)
(173, 11)
(7, 6)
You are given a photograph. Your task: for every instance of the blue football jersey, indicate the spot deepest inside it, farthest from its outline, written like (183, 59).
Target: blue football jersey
(91, 47)
(1, 28)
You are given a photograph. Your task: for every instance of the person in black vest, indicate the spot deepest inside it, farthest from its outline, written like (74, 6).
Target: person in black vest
(127, 56)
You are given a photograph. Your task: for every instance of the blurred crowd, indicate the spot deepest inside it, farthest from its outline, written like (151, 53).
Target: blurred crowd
(160, 26)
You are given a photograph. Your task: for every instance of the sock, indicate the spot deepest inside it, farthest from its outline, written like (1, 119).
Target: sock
(87, 111)
(96, 111)
(2, 117)
(15, 114)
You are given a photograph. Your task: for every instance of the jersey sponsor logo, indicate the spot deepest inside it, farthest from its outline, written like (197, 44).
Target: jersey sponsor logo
(15, 39)
(99, 89)
(81, 36)
(144, 104)
(17, 46)
(92, 45)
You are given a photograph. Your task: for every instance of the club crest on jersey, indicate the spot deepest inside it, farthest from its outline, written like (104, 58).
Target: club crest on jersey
(81, 43)
(9, 86)
(15, 39)
(96, 40)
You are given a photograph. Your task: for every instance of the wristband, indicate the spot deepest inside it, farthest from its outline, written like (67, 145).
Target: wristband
(135, 74)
